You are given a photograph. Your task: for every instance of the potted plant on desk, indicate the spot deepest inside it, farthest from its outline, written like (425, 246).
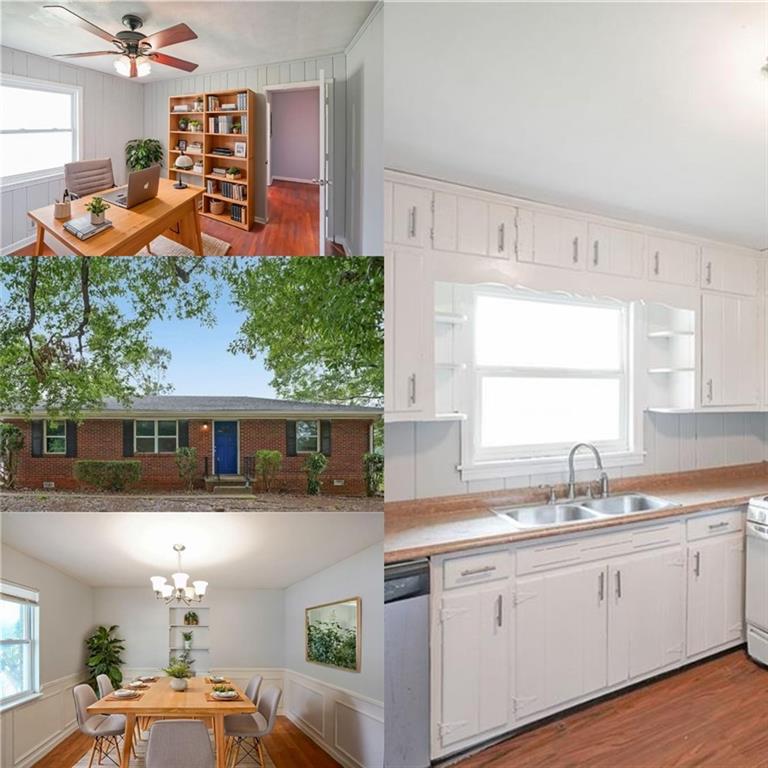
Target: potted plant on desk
(97, 208)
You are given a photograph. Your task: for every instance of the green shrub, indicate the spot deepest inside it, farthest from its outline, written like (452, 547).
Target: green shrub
(108, 475)
(11, 443)
(314, 466)
(373, 467)
(266, 465)
(186, 461)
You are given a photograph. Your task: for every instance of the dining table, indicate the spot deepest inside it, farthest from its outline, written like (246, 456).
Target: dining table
(159, 700)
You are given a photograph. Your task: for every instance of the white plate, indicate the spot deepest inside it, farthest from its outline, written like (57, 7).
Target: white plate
(231, 695)
(124, 693)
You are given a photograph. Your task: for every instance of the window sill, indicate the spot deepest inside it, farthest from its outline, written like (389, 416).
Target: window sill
(494, 470)
(5, 707)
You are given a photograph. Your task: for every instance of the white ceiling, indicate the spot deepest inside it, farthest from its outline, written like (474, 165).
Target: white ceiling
(230, 35)
(265, 551)
(654, 112)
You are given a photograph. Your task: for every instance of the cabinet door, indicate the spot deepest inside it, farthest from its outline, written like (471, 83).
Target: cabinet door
(616, 251)
(560, 627)
(673, 261)
(474, 664)
(715, 593)
(473, 226)
(444, 235)
(728, 271)
(557, 241)
(501, 231)
(411, 215)
(646, 613)
(388, 224)
(730, 371)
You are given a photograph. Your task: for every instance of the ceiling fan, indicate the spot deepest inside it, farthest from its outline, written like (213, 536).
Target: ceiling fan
(134, 49)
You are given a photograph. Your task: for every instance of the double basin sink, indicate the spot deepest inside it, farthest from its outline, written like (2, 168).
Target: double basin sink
(582, 510)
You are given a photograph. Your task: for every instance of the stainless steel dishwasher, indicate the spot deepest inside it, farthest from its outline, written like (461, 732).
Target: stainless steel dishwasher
(406, 659)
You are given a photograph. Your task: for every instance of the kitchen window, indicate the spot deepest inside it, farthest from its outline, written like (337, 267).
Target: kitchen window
(549, 371)
(39, 128)
(307, 437)
(156, 436)
(56, 438)
(19, 646)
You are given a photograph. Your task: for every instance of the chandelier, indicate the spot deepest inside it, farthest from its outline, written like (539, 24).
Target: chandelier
(178, 592)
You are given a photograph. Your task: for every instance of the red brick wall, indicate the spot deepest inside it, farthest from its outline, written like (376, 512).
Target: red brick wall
(103, 439)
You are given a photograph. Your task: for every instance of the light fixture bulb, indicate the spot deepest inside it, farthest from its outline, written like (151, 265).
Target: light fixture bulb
(143, 67)
(180, 580)
(201, 587)
(158, 582)
(123, 66)
(189, 593)
(166, 590)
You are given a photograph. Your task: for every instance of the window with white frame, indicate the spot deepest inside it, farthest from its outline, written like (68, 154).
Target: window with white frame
(156, 436)
(549, 371)
(39, 128)
(307, 437)
(56, 437)
(19, 643)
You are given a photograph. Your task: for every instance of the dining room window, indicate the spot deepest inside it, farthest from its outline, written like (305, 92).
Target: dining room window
(307, 437)
(19, 643)
(56, 438)
(156, 436)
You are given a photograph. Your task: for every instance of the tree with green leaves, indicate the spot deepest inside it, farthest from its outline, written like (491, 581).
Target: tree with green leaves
(11, 443)
(319, 323)
(75, 330)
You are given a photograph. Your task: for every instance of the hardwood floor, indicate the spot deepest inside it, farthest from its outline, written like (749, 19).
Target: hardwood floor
(287, 746)
(291, 231)
(712, 715)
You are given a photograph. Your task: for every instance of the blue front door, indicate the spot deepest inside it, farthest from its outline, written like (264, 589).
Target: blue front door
(225, 447)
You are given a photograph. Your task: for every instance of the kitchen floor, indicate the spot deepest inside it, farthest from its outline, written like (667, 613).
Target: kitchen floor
(714, 714)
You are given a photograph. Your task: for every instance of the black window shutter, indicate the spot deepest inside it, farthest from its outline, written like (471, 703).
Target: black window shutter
(290, 438)
(37, 438)
(128, 437)
(71, 439)
(183, 434)
(325, 437)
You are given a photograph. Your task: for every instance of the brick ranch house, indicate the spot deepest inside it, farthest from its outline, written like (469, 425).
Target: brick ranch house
(227, 432)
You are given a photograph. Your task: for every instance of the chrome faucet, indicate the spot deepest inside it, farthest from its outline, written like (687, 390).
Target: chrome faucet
(572, 470)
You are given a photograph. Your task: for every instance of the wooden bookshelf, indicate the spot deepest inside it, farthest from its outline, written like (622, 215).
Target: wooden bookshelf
(210, 141)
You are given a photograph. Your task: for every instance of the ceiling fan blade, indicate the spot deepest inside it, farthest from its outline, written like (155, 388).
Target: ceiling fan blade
(72, 18)
(172, 61)
(179, 33)
(79, 55)
(134, 71)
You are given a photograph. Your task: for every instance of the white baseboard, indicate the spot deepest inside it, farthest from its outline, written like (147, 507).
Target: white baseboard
(291, 178)
(8, 249)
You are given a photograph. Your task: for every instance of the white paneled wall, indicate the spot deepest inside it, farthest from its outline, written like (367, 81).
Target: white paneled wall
(113, 111)
(422, 457)
(256, 78)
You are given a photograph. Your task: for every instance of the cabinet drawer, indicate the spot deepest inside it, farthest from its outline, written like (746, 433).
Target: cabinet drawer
(662, 535)
(476, 569)
(728, 521)
(543, 556)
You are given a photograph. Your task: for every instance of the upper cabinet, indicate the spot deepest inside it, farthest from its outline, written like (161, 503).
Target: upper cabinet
(616, 251)
(729, 271)
(411, 216)
(553, 240)
(673, 261)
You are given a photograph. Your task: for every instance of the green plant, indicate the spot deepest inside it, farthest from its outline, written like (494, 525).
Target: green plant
(108, 475)
(143, 153)
(190, 618)
(266, 466)
(11, 443)
(330, 643)
(223, 688)
(314, 466)
(373, 468)
(233, 172)
(178, 668)
(97, 206)
(186, 461)
(187, 637)
(183, 122)
(104, 650)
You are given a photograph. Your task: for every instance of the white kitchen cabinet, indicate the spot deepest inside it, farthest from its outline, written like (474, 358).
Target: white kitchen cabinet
(646, 609)
(552, 240)
(672, 261)
(729, 271)
(502, 231)
(388, 201)
(715, 592)
(730, 357)
(474, 665)
(411, 216)
(444, 222)
(484, 229)
(616, 251)
(561, 633)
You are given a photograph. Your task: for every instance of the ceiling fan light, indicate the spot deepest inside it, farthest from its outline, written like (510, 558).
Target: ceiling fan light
(143, 67)
(158, 582)
(123, 66)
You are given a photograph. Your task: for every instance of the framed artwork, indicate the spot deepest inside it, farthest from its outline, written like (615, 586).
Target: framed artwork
(333, 633)
(239, 149)
(182, 145)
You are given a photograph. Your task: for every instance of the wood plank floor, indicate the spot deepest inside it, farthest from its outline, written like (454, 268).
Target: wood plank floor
(287, 746)
(291, 231)
(713, 715)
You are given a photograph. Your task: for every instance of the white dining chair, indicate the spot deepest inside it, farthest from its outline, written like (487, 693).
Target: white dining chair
(103, 729)
(179, 744)
(242, 729)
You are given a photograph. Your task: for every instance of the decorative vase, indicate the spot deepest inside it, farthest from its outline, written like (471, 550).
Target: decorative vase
(98, 218)
(187, 645)
(179, 683)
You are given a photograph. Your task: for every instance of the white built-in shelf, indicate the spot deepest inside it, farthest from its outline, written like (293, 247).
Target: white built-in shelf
(450, 318)
(190, 626)
(668, 334)
(670, 370)
(177, 648)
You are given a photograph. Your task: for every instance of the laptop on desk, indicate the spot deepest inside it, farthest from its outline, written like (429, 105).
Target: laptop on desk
(141, 186)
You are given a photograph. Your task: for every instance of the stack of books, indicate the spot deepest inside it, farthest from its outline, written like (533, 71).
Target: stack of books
(182, 107)
(219, 171)
(194, 148)
(213, 103)
(221, 124)
(82, 228)
(237, 212)
(223, 151)
(229, 107)
(233, 191)
(242, 101)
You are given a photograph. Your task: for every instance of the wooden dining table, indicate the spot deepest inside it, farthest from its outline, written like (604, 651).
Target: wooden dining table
(160, 700)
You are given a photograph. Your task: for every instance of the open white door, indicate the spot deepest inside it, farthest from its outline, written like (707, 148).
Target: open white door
(324, 179)
(269, 139)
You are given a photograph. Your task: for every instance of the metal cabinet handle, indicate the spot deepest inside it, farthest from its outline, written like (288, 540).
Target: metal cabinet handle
(500, 241)
(412, 222)
(576, 249)
(601, 587)
(656, 263)
(478, 571)
(697, 564)
(618, 584)
(500, 610)
(716, 526)
(596, 253)
(709, 273)
(709, 390)
(412, 389)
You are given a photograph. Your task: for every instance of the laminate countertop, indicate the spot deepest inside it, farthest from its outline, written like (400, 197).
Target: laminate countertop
(425, 527)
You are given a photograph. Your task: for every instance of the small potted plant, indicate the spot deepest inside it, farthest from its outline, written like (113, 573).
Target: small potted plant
(194, 125)
(183, 123)
(178, 671)
(233, 173)
(187, 640)
(190, 619)
(236, 127)
(97, 208)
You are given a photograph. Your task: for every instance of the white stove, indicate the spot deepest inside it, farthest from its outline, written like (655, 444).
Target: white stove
(757, 579)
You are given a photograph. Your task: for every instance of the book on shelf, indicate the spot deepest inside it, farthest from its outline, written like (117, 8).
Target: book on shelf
(242, 101)
(82, 228)
(230, 107)
(182, 107)
(237, 212)
(223, 151)
(219, 171)
(213, 103)
(232, 191)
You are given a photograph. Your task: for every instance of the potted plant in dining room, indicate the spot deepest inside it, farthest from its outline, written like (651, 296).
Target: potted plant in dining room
(178, 670)
(97, 208)
(143, 153)
(187, 640)
(104, 650)
(191, 619)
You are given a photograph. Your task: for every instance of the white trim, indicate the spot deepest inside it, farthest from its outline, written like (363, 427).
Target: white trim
(9, 249)
(46, 452)
(319, 443)
(367, 23)
(304, 85)
(297, 181)
(343, 242)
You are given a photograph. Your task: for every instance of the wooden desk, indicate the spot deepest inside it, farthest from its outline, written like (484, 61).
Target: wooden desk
(160, 700)
(172, 213)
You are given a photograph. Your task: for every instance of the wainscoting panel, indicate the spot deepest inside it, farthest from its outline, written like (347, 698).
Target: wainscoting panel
(307, 705)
